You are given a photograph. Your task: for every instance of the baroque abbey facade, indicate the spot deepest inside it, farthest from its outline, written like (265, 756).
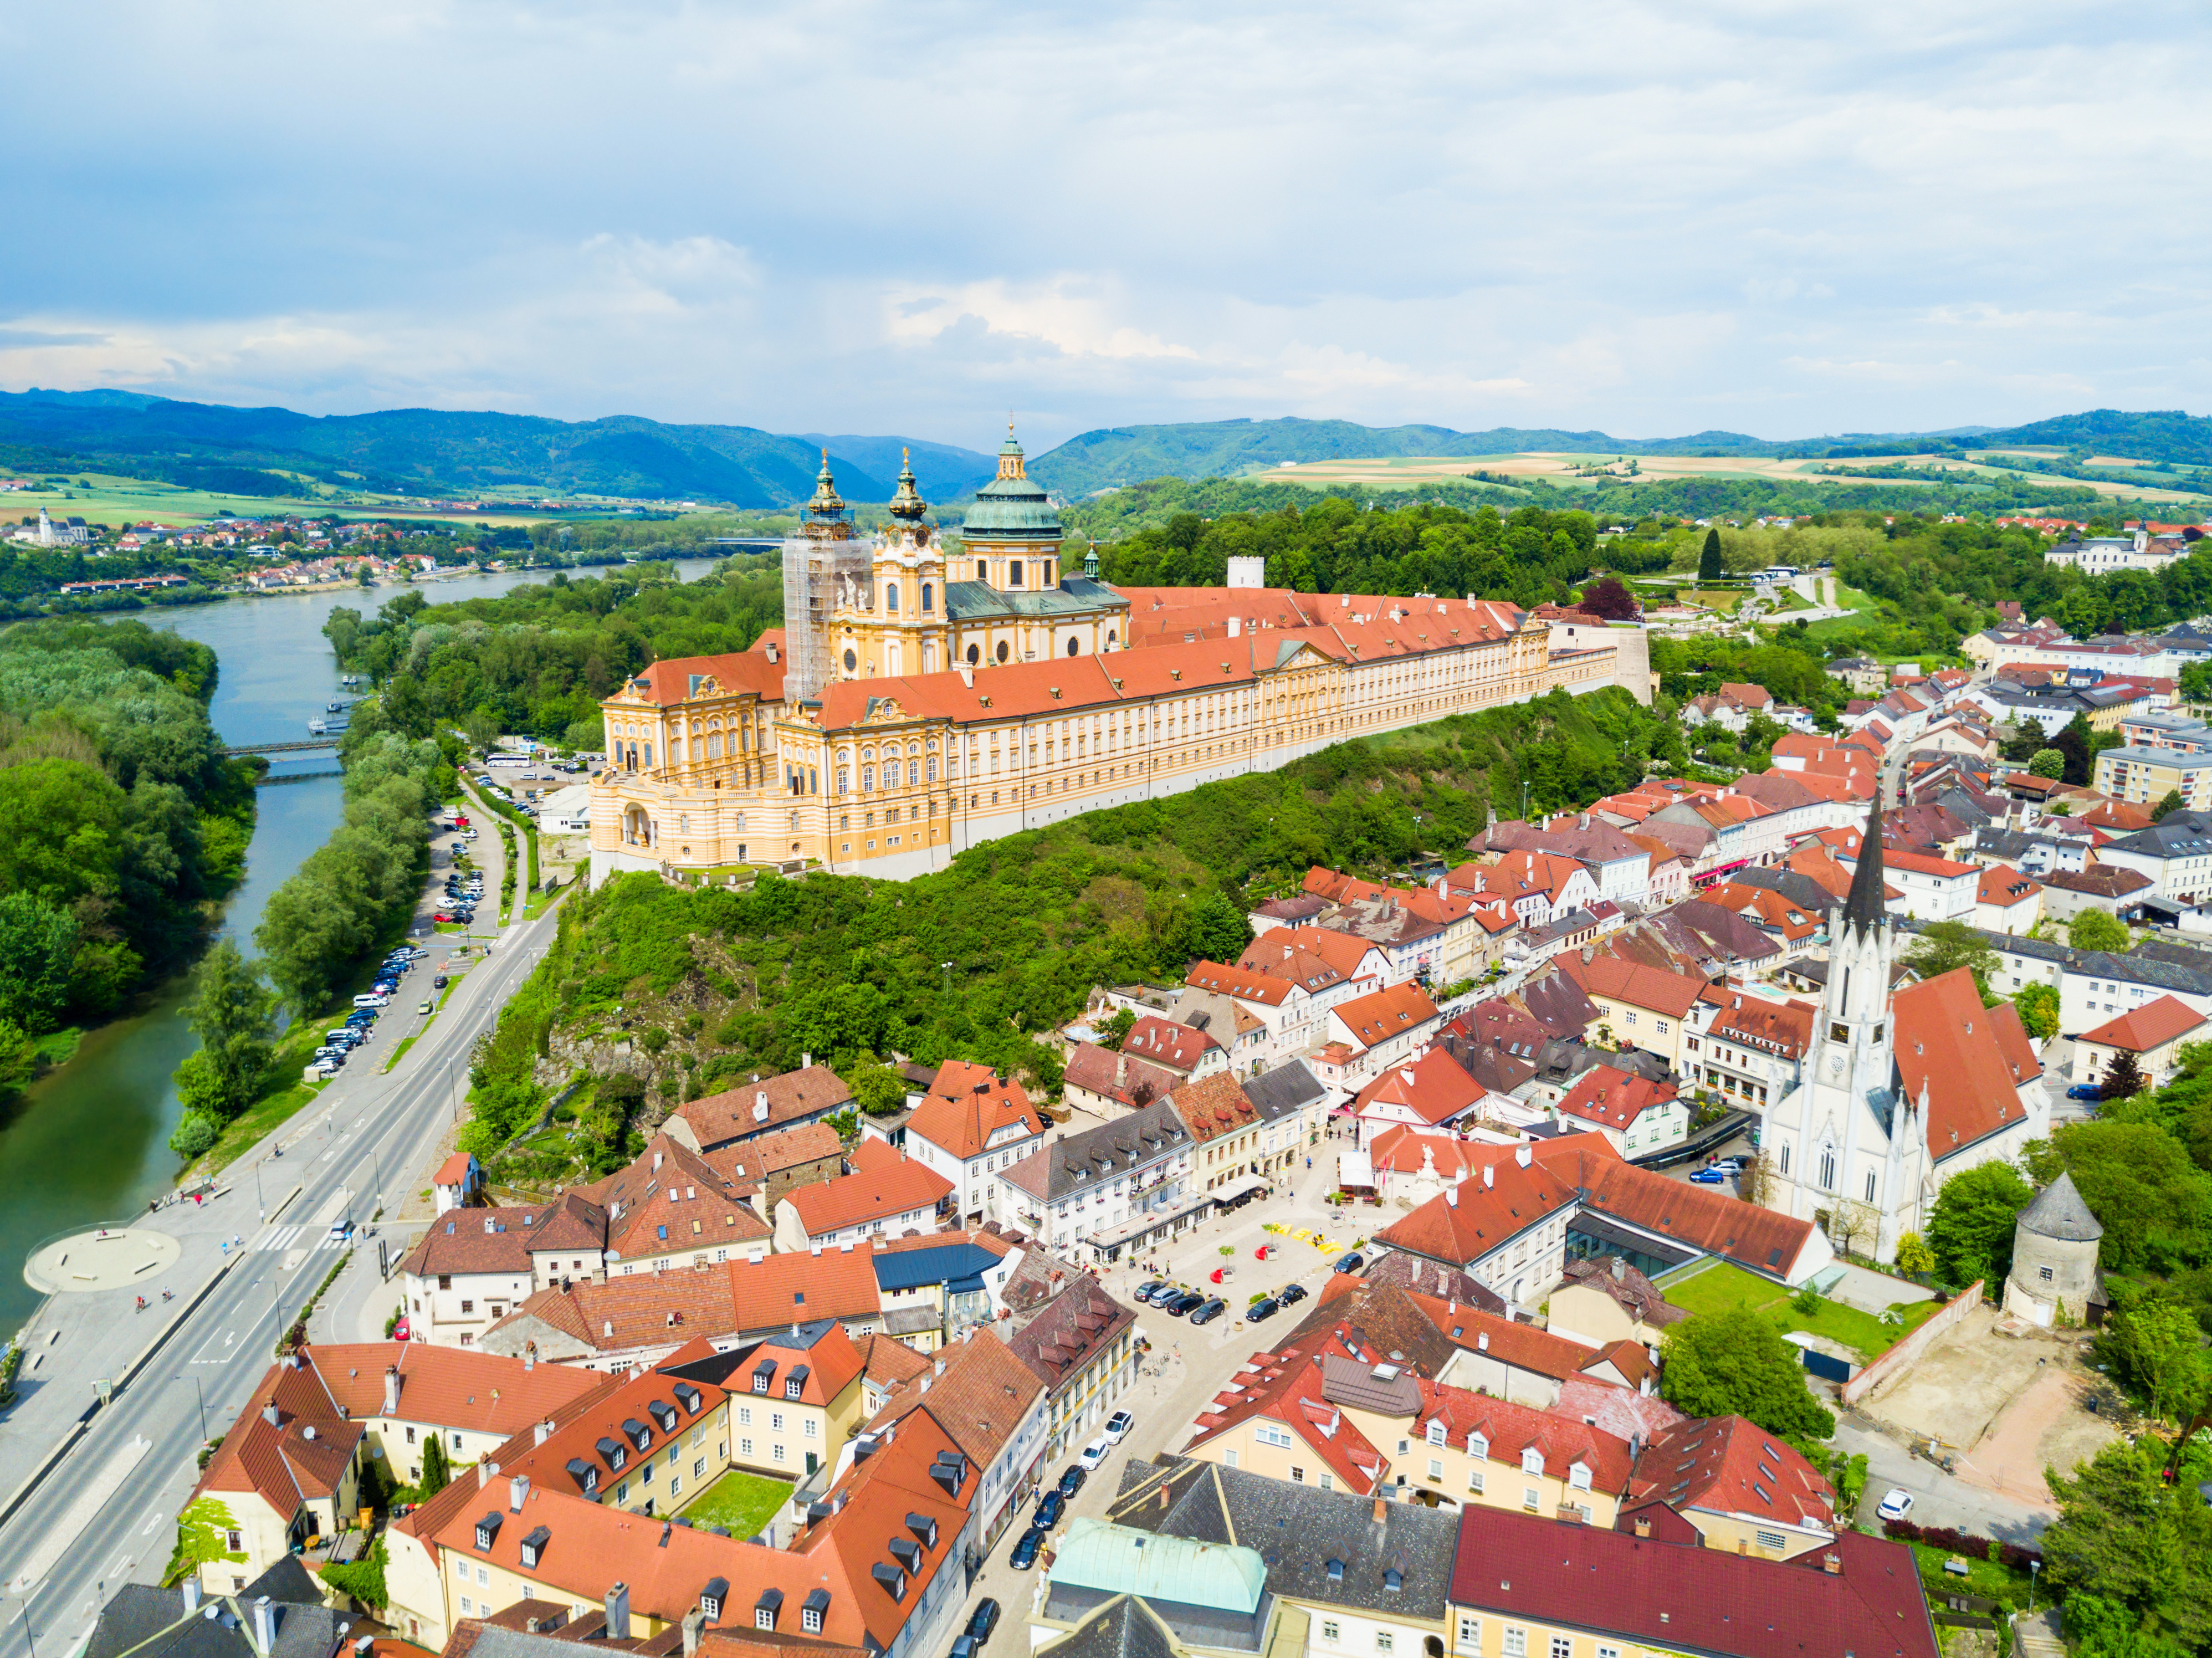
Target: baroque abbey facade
(921, 699)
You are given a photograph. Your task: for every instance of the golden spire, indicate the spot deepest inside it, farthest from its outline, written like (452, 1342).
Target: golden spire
(907, 504)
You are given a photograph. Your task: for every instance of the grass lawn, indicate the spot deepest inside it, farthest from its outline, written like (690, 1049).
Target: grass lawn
(742, 1501)
(1721, 1286)
(1984, 1577)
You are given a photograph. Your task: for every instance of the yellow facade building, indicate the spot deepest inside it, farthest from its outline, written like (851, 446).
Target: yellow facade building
(922, 698)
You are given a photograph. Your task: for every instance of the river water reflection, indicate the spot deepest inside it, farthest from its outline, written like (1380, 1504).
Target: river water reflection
(89, 1141)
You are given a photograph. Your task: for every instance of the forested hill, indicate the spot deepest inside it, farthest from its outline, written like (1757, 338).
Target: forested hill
(1116, 456)
(442, 452)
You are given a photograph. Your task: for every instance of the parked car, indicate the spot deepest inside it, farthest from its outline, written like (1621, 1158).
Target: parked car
(1072, 1478)
(1212, 1310)
(985, 1620)
(1897, 1504)
(1266, 1306)
(1118, 1426)
(1145, 1289)
(1094, 1453)
(1708, 1177)
(1290, 1293)
(1166, 1293)
(964, 1645)
(370, 999)
(2086, 1092)
(1727, 1165)
(1189, 1301)
(1025, 1550)
(1351, 1263)
(1049, 1508)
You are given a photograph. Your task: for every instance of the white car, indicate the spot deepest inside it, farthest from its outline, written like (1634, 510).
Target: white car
(1897, 1504)
(1118, 1426)
(1094, 1454)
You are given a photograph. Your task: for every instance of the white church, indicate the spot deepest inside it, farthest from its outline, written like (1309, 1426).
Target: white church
(1899, 1093)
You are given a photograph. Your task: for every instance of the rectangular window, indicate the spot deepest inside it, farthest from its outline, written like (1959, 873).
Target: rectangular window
(814, 1429)
(1475, 1481)
(1470, 1633)
(1229, 1459)
(1297, 1475)
(779, 1450)
(745, 1447)
(1385, 1641)
(1517, 1643)
(1435, 1467)
(775, 1422)
(1562, 1647)
(1530, 1499)
(1769, 1540)
(1330, 1631)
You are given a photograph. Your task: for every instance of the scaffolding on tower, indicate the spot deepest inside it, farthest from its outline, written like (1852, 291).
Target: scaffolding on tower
(827, 559)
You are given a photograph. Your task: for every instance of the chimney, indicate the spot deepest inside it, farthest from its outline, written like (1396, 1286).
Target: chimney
(517, 1489)
(265, 1625)
(760, 1106)
(1619, 1269)
(1522, 1155)
(695, 1622)
(1833, 1565)
(656, 1159)
(939, 1365)
(1235, 626)
(530, 1355)
(1381, 1510)
(1482, 1341)
(805, 1061)
(268, 1414)
(1644, 1525)
(192, 1589)
(487, 1471)
(542, 1432)
(392, 1390)
(1489, 1175)
(1452, 1196)
(619, 1613)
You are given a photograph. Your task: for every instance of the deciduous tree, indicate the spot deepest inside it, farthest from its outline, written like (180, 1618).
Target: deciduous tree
(1970, 1229)
(2093, 929)
(2126, 1535)
(1734, 1363)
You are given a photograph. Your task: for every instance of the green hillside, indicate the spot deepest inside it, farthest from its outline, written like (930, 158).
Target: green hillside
(443, 452)
(2170, 434)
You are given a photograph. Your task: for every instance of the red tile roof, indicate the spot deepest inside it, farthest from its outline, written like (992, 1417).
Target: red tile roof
(1243, 983)
(885, 1183)
(1213, 1107)
(1606, 974)
(1686, 1598)
(717, 1119)
(1433, 1087)
(1970, 1061)
(966, 1108)
(1278, 950)
(1374, 1020)
(1615, 1099)
(1163, 1042)
(1510, 1429)
(2142, 1028)
(1522, 1346)
(1731, 1465)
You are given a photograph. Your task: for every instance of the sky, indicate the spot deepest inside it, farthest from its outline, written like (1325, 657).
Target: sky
(1783, 219)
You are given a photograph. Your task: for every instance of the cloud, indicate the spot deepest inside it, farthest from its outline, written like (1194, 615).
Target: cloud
(860, 217)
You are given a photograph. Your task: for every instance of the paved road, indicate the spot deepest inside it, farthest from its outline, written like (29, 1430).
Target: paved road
(106, 1515)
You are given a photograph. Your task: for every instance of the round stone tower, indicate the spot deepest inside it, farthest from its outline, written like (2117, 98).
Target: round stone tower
(2054, 1256)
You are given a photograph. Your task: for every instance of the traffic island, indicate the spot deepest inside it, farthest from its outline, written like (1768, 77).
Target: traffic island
(108, 1258)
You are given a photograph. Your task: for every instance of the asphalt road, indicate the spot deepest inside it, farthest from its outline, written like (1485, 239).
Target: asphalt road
(107, 1513)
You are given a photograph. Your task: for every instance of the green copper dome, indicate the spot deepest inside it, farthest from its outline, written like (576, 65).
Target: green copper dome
(1011, 506)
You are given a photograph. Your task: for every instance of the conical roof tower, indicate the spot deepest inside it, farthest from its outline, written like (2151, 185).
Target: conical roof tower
(1862, 906)
(2059, 1212)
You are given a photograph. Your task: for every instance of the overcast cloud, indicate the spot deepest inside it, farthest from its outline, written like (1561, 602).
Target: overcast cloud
(1776, 218)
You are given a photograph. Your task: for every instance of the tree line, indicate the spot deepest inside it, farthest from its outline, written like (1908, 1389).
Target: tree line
(121, 824)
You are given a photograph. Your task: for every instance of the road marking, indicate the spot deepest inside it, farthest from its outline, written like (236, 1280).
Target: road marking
(150, 1524)
(90, 1500)
(275, 1237)
(116, 1567)
(229, 1340)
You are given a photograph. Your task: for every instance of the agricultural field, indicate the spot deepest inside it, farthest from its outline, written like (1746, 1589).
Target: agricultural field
(1410, 472)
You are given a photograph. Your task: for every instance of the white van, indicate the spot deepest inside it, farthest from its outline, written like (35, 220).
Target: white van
(371, 999)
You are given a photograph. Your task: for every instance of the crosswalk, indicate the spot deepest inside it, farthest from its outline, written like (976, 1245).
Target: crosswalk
(284, 1237)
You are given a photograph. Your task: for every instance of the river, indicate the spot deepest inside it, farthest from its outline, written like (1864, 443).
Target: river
(89, 1143)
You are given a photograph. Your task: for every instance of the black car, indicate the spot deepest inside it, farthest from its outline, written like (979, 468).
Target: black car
(1266, 1306)
(1351, 1263)
(985, 1620)
(1025, 1550)
(1290, 1292)
(1071, 1481)
(1049, 1508)
(1189, 1301)
(1210, 1311)
(438, 983)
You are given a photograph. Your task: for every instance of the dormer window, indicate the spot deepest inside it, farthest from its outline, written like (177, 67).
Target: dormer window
(585, 1476)
(764, 1373)
(613, 1452)
(488, 1531)
(1436, 1433)
(1393, 1579)
(1532, 1461)
(1579, 1476)
(906, 1552)
(811, 1612)
(533, 1547)
(712, 1598)
(1476, 1444)
(765, 1608)
(636, 1432)
(923, 1527)
(1336, 1571)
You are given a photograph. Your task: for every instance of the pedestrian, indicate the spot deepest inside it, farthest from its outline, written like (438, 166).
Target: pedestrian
(226, 1247)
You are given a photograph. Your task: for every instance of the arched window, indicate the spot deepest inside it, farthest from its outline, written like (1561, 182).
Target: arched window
(1110, 639)
(1073, 645)
(913, 772)
(928, 598)
(1002, 650)
(867, 777)
(890, 598)
(974, 655)
(844, 780)
(932, 769)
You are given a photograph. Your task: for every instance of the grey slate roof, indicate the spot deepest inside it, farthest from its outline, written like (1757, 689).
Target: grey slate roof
(2166, 840)
(1123, 1628)
(2059, 1212)
(977, 601)
(140, 1616)
(1298, 1530)
(1288, 1088)
(1802, 890)
(2142, 965)
(1364, 1386)
(1100, 1153)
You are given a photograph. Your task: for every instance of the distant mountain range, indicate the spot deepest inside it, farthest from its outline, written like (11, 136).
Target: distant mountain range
(1130, 454)
(248, 452)
(439, 452)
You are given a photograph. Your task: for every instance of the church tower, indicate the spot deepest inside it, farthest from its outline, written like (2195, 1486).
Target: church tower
(895, 622)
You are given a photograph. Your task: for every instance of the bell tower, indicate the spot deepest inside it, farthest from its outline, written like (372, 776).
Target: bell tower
(909, 633)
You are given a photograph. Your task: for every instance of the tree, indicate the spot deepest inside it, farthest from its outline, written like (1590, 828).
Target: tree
(2151, 1346)
(232, 1013)
(204, 1529)
(2123, 1077)
(1113, 1032)
(437, 1471)
(362, 1579)
(2093, 929)
(38, 953)
(2107, 1628)
(1946, 946)
(1710, 563)
(2125, 1535)
(1914, 1257)
(1214, 930)
(1970, 1229)
(2047, 762)
(2168, 804)
(1610, 599)
(877, 1089)
(1734, 1363)
(2038, 1007)
(2075, 741)
(2139, 1181)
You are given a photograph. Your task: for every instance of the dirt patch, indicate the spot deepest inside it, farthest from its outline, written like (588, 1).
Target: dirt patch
(1961, 1384)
